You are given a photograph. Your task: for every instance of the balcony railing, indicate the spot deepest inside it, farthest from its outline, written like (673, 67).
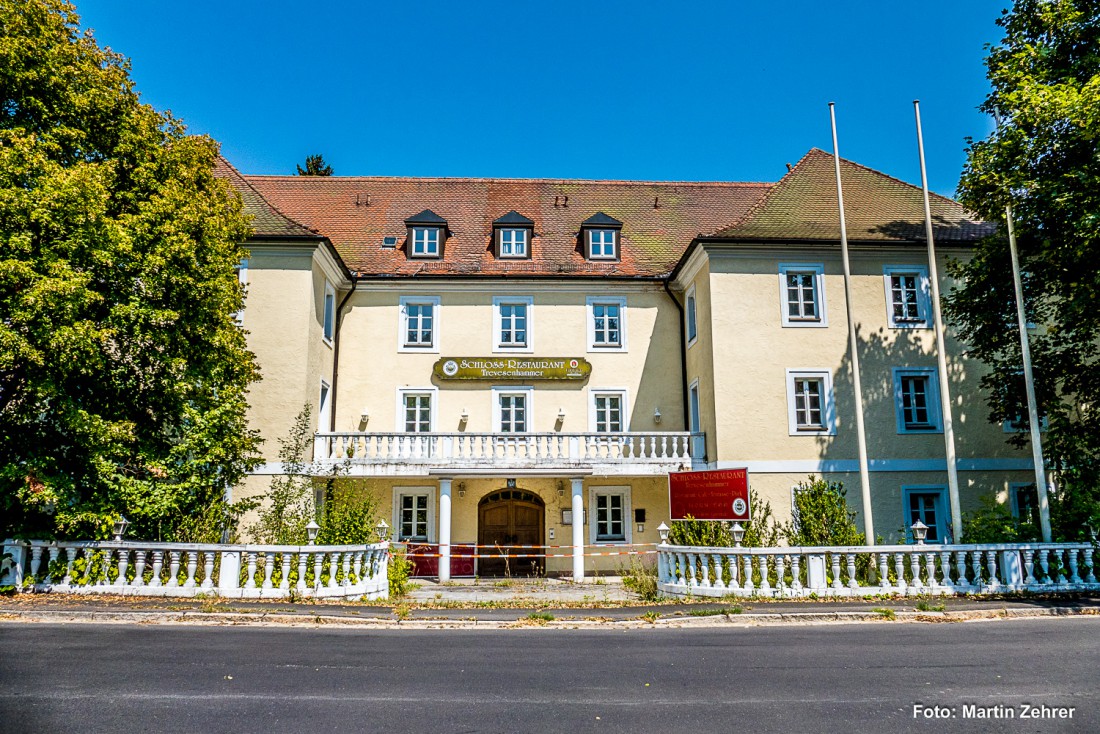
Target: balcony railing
(512, 450)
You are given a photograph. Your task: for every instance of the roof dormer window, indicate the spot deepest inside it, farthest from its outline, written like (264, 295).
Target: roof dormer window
(601, 237)
(427, 232)
(512, 235)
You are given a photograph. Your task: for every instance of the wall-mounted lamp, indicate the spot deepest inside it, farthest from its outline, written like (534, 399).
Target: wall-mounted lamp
(463, 418)
(656, 415)
(561, 414)
(561, 488)
(364, 416)
(462, 489)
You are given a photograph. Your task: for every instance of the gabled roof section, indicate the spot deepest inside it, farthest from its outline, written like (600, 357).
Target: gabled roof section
(877, 208)
(659, 220)
(427, 217)
(513, 218)
(599, 219)
(267, 221)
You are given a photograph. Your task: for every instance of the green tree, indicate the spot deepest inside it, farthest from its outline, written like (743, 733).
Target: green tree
(1044, 160)
(821, 515)
(315, 166)
(123, 373)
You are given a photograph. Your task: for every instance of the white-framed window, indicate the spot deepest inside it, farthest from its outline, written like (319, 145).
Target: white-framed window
(419, 324)
(810, 407)
(416, 409)
(606, 324)
(917, 400)
(691, 323)
(324, 409)
(601, 244)
(242, 278)
(908, 299)
(328, 319)
(802, 294)
(513, 241)
(608, 410)
(610, 510)
(425, 241)
(929, 505)
(695, 423)
(512, 323)
(512, 409)
(414, 514)
(1023, 500)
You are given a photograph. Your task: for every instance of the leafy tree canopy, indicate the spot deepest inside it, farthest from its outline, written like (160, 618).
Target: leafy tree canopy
(315, 166)
(1044, 160)
(122, 370)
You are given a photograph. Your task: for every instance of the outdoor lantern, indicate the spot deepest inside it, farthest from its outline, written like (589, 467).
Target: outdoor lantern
(383, 531)
(120, 526)
(656, 415)
(738, 534)
(920, 531)
(311, 531)
(662, 530)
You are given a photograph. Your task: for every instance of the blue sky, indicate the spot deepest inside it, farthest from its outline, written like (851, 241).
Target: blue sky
(619, 90)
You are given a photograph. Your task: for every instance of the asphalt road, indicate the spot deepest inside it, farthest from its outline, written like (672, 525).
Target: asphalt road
(831, 678)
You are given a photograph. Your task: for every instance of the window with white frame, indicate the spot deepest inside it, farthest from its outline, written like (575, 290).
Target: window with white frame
(611, 508)
(917, 400)
(513, 242)
(908, 303)
(328, 323)
(692, 325)
(608, 411)
(929, 505)
(802, 293)
(601, 244)
(1024, 502)
(512, 409)
(606, 324)
(413, 514)
(425, 241)
(416, 410)
(810, 409)
(512, 323)
(324, 412)
(419, 324)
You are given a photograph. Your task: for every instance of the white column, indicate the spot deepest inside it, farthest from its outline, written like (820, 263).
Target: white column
(578, 528)
(444, 530)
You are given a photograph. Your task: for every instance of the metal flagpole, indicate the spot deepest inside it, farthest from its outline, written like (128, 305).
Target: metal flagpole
(1029, 383)
(861, 433)
(941, 353)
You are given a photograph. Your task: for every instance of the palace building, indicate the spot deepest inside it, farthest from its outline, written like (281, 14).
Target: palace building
(524, 361)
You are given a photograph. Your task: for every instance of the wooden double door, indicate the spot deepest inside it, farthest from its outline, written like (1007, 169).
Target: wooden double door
(510, 517)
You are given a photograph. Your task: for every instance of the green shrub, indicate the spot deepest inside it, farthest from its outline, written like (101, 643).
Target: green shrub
(348, 516)
(399, 572)
(994, 523)
(821, 516)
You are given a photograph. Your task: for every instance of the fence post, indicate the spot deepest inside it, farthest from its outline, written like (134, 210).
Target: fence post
(229, 576)
(1012, 569)
(815, 572)
(11, 570)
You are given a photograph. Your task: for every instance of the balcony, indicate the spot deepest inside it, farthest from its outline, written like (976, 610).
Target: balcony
(387, 454)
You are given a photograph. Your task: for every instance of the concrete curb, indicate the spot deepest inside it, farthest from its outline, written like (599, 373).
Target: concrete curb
(710, 621)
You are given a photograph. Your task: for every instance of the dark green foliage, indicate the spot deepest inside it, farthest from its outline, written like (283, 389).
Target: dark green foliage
(315, 166)
(821, 516)
(994, 523)
(123, 373)
(1044, 160)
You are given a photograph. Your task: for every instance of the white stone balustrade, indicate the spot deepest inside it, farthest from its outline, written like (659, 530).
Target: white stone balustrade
(653, 452)
(886, 569)
(184, 569)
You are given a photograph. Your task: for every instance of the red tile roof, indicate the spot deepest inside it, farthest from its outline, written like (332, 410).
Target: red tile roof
(266, 219)
(659, 220)
(877, 208)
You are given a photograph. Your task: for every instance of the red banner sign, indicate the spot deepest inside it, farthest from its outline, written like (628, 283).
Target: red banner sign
(709, 495)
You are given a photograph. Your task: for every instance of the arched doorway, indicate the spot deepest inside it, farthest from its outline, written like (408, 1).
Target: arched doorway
(505, 518)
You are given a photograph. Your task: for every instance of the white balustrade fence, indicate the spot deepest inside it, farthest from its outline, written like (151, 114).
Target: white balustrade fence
(185, 569)
(888, 569)
(517, 449)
